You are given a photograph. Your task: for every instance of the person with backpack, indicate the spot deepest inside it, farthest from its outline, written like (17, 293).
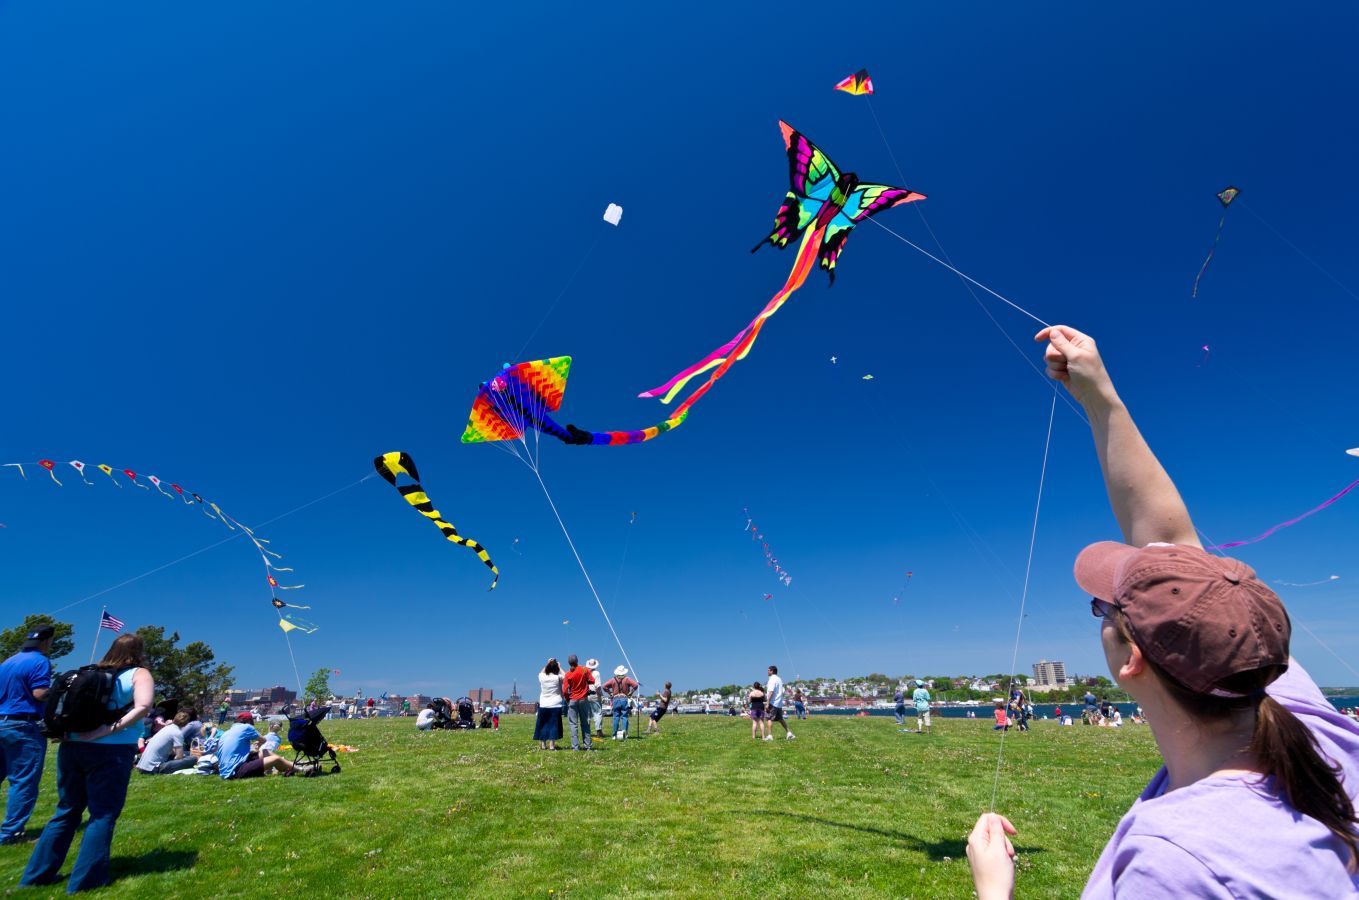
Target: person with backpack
(24, 681)
(97, 710)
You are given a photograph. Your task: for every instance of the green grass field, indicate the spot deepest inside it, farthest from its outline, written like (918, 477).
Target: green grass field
(852, 808)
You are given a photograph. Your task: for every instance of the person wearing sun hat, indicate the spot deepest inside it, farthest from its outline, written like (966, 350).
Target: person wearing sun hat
(1257, 794)
(621, 688)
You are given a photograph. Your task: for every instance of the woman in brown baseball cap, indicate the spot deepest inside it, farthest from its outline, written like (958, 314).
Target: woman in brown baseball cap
(1257, 795)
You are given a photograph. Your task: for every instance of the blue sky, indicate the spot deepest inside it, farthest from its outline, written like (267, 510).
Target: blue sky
(248, 248)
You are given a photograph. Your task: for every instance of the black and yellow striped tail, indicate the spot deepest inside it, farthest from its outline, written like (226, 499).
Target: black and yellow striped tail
(389, 466)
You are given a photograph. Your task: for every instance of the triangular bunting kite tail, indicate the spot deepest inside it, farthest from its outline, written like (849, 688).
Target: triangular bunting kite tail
(19, 466)
(50, 467)
(394, 464)
(521, 395)
(80, 467)
(108, 470)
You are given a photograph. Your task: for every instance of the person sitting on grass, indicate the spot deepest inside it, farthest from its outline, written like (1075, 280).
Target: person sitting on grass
(274, 738)
(165, 752)
(1002, 721)
(1257, 794)
(235, 759)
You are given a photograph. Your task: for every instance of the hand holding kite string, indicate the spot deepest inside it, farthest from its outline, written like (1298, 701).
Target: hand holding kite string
(1073, 359)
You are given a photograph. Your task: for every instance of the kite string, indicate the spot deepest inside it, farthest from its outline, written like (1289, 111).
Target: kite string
(211, 546)
(1279, 234)
(1007, 301)
(296, 674)
(558, 298)
(773, 602)
(1024, 595)
(588, 581)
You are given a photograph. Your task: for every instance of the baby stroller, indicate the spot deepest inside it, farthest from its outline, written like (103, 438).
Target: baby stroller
(467, 712)
(309, 745)
(443, 715)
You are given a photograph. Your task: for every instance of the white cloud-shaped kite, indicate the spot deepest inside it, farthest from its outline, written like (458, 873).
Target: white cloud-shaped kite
(614, 214)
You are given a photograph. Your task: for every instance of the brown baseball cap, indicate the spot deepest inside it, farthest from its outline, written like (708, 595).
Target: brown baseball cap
(1202, 619)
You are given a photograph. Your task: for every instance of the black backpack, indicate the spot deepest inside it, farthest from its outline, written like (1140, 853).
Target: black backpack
(79, 701)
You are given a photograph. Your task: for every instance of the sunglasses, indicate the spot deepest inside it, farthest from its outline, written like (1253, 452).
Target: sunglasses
(1101, 608)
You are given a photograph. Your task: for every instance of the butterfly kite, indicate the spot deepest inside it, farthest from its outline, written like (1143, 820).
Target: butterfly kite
(519, 397)
(1225, 197)
(822, 207)
(392, 465)
(857, 84)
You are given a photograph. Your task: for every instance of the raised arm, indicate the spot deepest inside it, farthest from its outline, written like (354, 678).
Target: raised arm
(1144, 499)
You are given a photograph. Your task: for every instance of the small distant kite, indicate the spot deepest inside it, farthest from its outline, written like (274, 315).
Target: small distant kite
(834, 360)
(389, 466)
(1225, 197)
(515, 547)
(279, 604)
(1206, 351)
(634, 518)
(614, 214)
(857, 84)
(868, 378)
(335, 671)
(1308, 583)
(293, 623)
(1354, 452)
(566, 621)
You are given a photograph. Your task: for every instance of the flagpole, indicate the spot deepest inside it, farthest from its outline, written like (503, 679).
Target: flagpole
(97, 629)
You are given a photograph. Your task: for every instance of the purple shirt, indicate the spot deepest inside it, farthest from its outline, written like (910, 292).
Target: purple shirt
(1231, 836)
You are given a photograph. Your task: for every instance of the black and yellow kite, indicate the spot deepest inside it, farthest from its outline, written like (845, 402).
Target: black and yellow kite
(389, 466)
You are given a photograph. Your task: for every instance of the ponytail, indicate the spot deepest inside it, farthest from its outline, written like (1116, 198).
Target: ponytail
(1285, 749)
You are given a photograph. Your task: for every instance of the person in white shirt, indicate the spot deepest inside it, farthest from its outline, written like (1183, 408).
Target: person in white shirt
(424, 720)
(547, 730)
(774, 703)
(164, 753)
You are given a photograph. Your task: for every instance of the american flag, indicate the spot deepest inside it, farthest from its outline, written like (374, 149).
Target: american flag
(111, 623)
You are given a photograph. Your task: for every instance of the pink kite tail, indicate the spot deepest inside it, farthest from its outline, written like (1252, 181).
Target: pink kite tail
(802, 265)
(1293, 521)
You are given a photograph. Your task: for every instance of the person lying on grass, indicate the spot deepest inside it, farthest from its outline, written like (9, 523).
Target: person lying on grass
(1256, 798)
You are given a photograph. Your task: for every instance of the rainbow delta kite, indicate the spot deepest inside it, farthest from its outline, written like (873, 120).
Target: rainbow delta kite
(520, 397)
(857, 84)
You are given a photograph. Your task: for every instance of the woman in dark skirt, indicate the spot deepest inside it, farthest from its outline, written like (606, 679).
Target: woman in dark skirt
(548, 729)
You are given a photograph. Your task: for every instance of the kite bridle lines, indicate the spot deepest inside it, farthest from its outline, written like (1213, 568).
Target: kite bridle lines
(525, 413)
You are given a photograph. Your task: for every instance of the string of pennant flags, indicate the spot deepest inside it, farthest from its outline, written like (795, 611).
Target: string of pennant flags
(770, 558)
(117, 476)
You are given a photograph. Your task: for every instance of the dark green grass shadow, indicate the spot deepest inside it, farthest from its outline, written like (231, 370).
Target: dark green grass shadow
(937, 851)
(154, 862)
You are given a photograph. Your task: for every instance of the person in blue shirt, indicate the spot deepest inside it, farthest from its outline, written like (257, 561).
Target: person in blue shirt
(24, 680)
(922, 707)
(899, 698)
(235, 759)
(93, 769)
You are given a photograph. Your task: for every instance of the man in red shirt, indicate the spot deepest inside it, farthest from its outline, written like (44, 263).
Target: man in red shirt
(578, 703)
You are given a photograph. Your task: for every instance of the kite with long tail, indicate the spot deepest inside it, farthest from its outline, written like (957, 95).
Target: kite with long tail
(1225, 197)
(823, 207)
(392, 465)
(519, 398)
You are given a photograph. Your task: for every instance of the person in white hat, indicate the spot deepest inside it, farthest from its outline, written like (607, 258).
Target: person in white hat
(621, 688)
(596, 697)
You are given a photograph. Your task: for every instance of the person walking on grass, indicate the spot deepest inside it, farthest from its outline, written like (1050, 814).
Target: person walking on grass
(759, 723)
(799, 704)
(24, 681)
(774, 698)
(1257, 794)
(93, 769)
(662, 706)
(922, 707)
(547, 728)
(621, 688)
(899, 699)
(578, 703)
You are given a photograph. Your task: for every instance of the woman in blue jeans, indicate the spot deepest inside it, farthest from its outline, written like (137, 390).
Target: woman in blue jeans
(93, 769)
